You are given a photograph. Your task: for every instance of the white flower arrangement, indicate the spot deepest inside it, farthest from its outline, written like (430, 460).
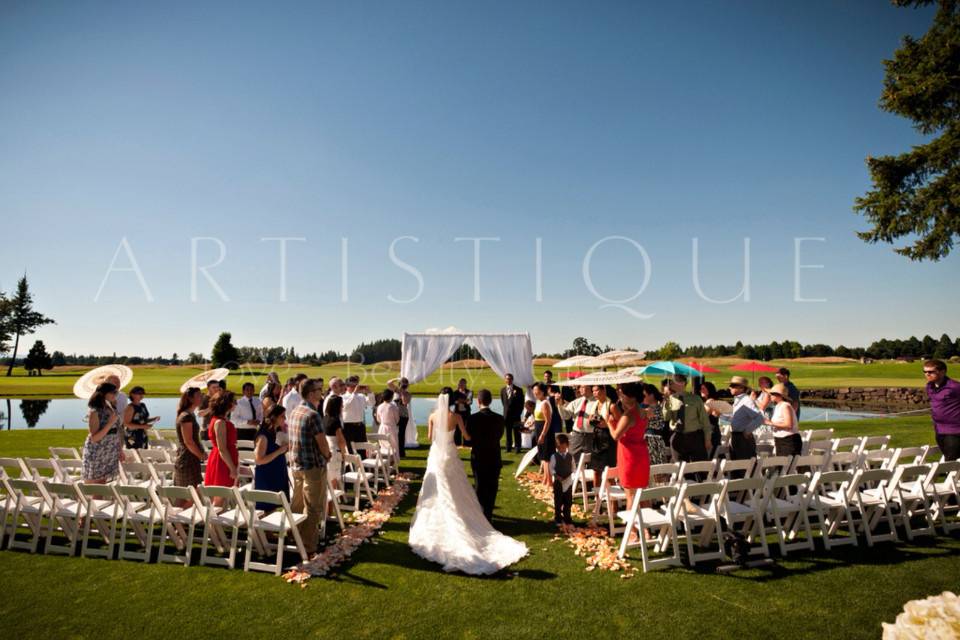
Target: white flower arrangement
(934, 618)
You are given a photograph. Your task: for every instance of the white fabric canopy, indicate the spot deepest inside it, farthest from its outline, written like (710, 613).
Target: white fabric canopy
(424, 353)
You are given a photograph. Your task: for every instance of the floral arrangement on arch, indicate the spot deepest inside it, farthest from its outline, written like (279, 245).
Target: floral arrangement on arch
(363, 526)
(933, 618)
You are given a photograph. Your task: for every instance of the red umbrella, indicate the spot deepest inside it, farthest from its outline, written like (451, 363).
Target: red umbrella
(570, 375)
(702, 368)
(753, 366)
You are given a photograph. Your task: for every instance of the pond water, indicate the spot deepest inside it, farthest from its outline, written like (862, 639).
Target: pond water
(70, 413)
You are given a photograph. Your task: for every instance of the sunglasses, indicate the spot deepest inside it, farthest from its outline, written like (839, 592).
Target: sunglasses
(930, 372)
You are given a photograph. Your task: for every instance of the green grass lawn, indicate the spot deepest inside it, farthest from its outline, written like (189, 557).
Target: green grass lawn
(386, 592)
(160, 381)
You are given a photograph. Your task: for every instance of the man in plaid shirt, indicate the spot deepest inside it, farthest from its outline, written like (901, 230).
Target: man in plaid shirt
(308, 457)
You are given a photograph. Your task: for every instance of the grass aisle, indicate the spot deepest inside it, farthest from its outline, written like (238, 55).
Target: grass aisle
(385, 591)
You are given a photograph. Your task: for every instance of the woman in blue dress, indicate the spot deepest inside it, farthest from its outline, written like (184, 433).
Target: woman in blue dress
(271, 472)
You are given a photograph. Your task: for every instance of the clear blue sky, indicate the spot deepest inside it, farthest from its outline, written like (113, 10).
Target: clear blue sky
(571, 122)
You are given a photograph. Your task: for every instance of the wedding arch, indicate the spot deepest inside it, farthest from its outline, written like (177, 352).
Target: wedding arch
(424, 353)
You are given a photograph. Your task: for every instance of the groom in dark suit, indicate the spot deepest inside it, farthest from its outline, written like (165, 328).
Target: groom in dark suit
(486, 429)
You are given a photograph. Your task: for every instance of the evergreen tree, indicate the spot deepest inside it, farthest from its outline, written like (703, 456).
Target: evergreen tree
(22, 320)
(915, 194)
(944, 349)
(224, 354)
(38, 359)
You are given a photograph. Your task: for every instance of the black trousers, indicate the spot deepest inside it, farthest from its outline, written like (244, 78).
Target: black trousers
(791, 445)
(742, 446)
(513, 433)
(689, 447)
(486, 478)
(562, 502)
(949, 445)
(402, 436)
(354, 432)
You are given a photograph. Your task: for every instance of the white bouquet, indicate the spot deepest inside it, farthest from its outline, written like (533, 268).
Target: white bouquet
(935, 618)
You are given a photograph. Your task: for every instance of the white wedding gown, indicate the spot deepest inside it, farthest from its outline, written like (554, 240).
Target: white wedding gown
(449, 527)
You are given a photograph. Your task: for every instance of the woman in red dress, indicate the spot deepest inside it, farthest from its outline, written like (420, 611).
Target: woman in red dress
(633, 457)
(224, 460)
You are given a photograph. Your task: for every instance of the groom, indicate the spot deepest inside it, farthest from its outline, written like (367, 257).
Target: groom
(486, 429)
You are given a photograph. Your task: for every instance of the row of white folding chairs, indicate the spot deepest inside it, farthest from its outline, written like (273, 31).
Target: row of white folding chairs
(789, 506)
(72, 515)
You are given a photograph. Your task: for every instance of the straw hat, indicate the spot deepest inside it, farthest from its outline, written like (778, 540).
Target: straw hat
(201, 379)
(779, 389)
(88, 382)
(739, 381)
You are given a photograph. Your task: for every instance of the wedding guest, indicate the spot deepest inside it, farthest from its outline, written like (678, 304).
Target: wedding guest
(103, 447)
(787, 441)
(388, 416)
(688, 421)
(708, 391)
(529, 416)
(205, 412)
(190, 455)
(122, 398)
(658, 433)
(462, 400)
(512, 400)
(223, 467)
(267, 390)
(546, 426)
(763, 396)
(356, 399)
(271, 471)
(248, 414)
(272, 397)
(604, 452)
(745, 418)
(633, 457)
(561, 468)
(292, 399)
(332, 426)
(308, 457)
(402, 399)
(944, 395)
(136, 420)
(579, 411)
(793, 394)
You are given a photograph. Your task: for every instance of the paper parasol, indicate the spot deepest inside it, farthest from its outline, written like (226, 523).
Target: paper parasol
(201, 379)
(88, 382)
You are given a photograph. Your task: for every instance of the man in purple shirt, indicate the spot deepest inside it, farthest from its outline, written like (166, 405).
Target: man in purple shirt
(944, 395)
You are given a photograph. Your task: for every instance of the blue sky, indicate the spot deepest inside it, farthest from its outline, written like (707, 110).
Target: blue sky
(569, 122)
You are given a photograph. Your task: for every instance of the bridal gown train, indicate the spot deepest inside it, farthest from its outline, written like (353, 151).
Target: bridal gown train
(448, 526)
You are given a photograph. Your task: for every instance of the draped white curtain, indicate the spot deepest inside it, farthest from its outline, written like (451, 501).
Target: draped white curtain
(424, 353)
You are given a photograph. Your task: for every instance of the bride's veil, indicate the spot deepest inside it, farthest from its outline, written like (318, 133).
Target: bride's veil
(441, 421)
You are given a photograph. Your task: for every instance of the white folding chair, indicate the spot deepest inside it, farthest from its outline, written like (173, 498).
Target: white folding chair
(818, 447)
(42, 469)
(152, 455)
(908, 493)
(701, 471)
(388, 452)
(729, 469)
(786, 507)
(810, 463)
(698, 506)
(910, 455)
(180, 523)
(665, 473)
(333, 499)
(869, 499)
(168, 446)
(164, 472)
(583, 480)
(66, 507)
(142, 511)
(280, 522)
(878, 459)
(358, 478)
(873, 443)
(610, 496)
(933, 455)
(942, 484)
(103, 512)
(742, 507)
(29, 508)
(246, 445)
(64, 453)
(849, 444)
(844, 461)
(828, 501)
(662, 521)
(70, 470)
(137, 473)
(374, 462)
(15, 468)
(773, 466)
(222, 527)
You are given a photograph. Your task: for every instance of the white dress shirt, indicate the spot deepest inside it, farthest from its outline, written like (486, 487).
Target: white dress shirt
(291, 401)
(355, 405)
(571, 410)
(244, 412)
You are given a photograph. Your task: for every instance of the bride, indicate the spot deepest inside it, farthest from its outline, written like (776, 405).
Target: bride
(449, 526)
